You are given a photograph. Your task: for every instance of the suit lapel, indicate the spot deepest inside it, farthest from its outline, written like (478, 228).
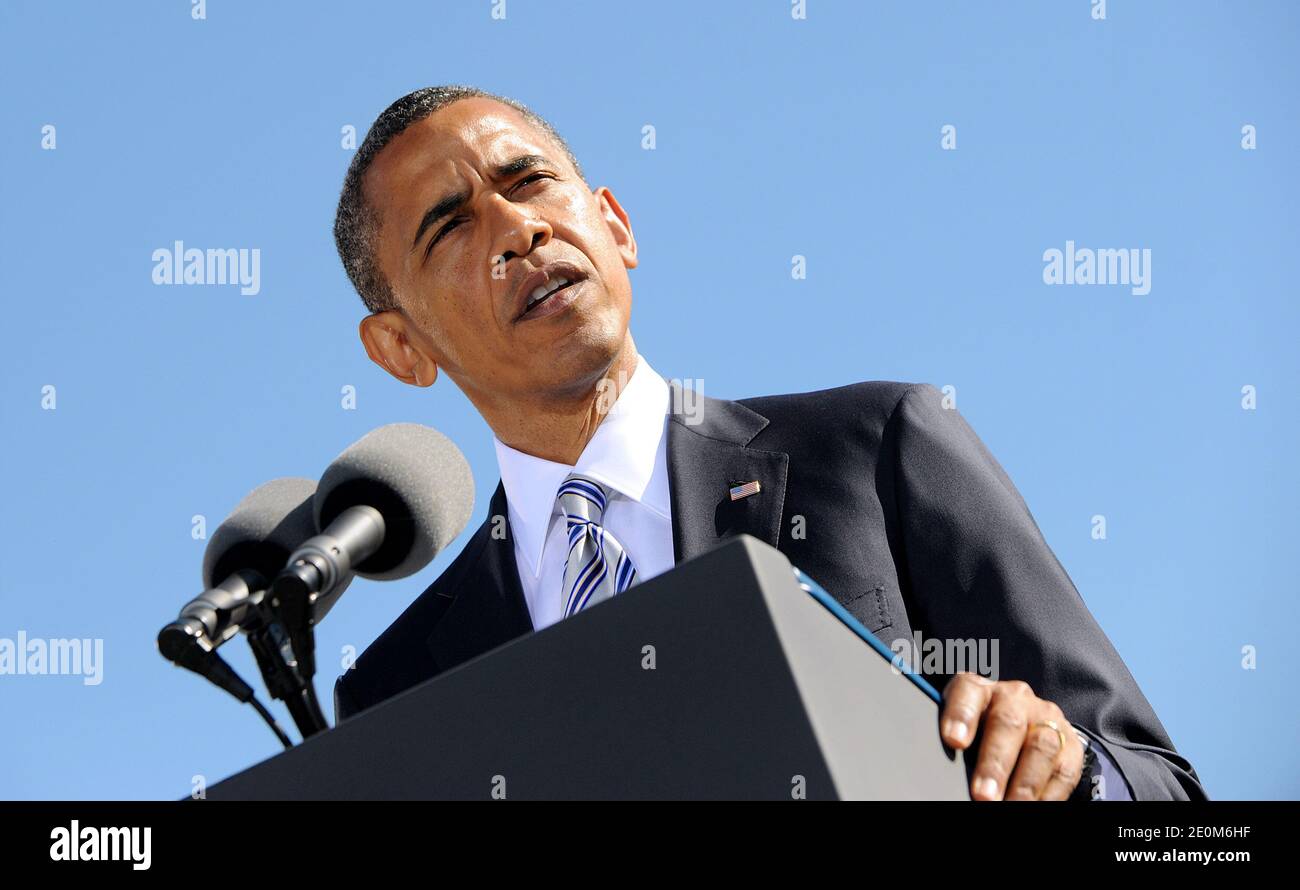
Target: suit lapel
(707, 453)
(488, 607)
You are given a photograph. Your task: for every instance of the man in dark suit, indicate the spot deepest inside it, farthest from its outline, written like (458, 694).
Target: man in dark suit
(467, 228)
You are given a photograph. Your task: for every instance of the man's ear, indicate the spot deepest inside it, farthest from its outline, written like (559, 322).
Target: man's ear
(616, 219)
(385, 336)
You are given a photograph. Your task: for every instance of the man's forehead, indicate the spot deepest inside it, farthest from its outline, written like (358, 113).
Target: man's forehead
(480, 132)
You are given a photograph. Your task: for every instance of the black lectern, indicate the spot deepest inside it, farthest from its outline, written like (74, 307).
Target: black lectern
(719, 679)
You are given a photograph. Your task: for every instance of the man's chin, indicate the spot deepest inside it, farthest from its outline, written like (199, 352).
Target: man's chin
(577, 361)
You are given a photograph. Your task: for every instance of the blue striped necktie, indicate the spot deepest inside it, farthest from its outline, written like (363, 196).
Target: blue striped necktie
(597, 567)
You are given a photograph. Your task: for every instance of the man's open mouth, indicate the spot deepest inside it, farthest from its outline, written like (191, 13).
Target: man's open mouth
(545, 292)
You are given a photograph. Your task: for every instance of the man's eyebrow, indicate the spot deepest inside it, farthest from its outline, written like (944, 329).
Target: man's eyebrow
(454, 201)
(519, 165)
(438, 211)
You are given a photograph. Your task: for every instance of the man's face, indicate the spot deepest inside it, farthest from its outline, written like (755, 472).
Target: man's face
(478, 207)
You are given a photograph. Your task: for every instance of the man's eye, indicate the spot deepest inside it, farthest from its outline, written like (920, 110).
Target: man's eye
(444, 230)
(528, 180)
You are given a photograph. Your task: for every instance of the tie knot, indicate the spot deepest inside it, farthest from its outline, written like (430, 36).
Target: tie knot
(583, 498)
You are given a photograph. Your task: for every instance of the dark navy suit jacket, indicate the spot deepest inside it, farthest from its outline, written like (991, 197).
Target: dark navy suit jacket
(888, 500)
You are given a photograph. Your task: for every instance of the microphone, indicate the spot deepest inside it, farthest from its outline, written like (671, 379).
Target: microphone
(413, 475)
(386, 506)
(250, 546)
(262, 530)
(206, 622)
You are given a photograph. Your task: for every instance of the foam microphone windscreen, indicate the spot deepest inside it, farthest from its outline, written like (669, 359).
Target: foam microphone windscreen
(263, 529)
(417, 478)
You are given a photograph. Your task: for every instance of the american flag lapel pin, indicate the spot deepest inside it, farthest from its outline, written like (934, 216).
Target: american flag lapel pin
(744, 489)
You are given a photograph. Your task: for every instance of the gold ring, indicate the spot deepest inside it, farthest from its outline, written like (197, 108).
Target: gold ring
(1052, 725)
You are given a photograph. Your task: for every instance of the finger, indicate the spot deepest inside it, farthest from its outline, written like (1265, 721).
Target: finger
(1039, 756)
(1005, 723)
(965, 698)
(1069, 768)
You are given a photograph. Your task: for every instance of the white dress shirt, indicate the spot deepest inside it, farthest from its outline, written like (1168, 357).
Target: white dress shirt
(628, 454)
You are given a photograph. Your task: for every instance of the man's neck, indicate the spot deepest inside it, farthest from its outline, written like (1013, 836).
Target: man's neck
(559, 429)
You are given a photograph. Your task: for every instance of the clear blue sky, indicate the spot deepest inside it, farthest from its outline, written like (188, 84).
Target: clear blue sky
(775, 137)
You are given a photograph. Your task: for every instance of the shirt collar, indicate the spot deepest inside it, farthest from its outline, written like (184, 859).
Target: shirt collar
(621, 454)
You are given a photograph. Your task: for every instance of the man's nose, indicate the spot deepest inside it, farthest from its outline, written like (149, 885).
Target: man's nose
(517, 231)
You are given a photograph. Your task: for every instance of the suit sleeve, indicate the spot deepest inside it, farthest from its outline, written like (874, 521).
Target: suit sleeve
(977, 566)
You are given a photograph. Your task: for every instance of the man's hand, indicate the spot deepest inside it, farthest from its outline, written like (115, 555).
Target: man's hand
(1020, 757)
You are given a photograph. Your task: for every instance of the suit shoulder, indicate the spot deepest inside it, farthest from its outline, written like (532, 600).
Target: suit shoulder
(870, 402)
